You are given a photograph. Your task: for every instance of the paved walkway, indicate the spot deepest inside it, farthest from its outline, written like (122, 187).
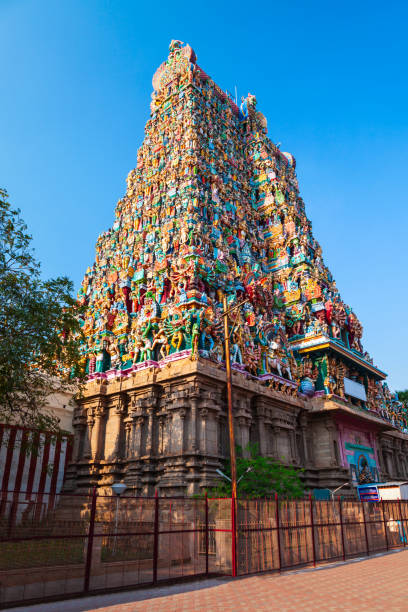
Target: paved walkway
(378, 583)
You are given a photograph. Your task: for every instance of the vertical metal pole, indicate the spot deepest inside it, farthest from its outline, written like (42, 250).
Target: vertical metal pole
(229, 401)
(385, 524)
(233, 537)
(258, 503)
(206, 533)
(156, 536)
(116, 524)
(365, 527)
(233, 459)
(312, 527)
(341, 528)
(88, 561)
(278, 530)
(402, 523)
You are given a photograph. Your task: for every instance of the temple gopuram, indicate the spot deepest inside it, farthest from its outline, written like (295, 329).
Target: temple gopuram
(212, 208)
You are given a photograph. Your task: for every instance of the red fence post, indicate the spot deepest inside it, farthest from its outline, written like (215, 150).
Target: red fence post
(234, 536)
(365, 527)
(206, 533)
(278, 531)
(385, 524)
(89, 549)
(341, 528)
(402, 523)
(156, 536)
(312, 526)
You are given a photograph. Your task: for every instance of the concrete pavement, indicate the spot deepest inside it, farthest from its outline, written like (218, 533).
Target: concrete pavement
(376, 583)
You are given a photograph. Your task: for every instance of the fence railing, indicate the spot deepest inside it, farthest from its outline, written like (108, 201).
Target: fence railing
(281, 534)
(55, 546)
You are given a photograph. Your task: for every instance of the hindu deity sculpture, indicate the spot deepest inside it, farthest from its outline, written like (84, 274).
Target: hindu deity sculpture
(212, 208)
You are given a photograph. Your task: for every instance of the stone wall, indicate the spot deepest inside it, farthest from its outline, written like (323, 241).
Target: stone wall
(393, 456)
(166, 429)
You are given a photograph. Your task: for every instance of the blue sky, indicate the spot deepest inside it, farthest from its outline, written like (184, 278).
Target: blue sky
(329, 77)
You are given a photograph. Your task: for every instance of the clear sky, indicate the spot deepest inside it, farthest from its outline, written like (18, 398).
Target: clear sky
(331, 78)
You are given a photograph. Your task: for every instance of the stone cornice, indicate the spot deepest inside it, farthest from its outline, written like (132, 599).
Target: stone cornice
(178, 370)
(328, 404)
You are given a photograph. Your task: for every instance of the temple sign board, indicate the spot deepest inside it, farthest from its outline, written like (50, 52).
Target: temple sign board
(355, 389)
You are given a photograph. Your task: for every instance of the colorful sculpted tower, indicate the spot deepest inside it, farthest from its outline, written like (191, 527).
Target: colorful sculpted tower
(213, 208)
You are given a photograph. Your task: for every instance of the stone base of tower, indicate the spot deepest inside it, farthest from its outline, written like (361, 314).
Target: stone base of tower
(165, 428)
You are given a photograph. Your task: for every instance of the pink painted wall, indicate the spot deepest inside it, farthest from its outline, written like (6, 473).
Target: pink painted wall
(349, 432)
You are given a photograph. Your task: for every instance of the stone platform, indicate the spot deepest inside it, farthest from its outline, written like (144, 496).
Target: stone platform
(163, 425)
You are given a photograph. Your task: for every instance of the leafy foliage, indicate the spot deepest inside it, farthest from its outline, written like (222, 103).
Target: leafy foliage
(39, 330)
(260, 477)
(403, 396)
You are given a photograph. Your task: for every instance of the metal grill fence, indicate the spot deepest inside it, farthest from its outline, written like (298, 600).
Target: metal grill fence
(55, 546)
(283, 534)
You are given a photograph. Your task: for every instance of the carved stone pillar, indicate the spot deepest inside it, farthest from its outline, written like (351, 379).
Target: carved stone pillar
(398, 460)
(243, 431)
(98, 413)
(223, 435)
(193, 417)
(402, 465)
(137, 435)
(162, 429)
(392, 462)
(128, 437)
(383, 459)
(116, 415)
(150, 432)
(182, 414)
(262, 435)
(80, 432)
(332, 438)
(204, 417)
(303, 433)
(294, 455)
(275, 441)
(88, 434)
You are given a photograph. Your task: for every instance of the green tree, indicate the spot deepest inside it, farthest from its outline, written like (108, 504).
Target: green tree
(39, 329)
(403, 396)
(260, 477)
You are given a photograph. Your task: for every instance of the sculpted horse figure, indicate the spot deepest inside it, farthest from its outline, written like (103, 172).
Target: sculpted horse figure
(272, 357)
(278, 360)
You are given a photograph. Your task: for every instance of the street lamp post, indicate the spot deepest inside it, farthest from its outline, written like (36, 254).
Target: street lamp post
(338, 489)
(335, 491)
(118, 488)
(249, 469)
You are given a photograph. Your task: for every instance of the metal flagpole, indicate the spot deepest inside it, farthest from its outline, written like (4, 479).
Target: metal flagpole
(229, 400)
(231, 438)
(226, 312)
(233, 459)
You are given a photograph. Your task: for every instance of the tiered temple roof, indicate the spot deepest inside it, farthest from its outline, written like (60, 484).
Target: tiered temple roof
(213, 207)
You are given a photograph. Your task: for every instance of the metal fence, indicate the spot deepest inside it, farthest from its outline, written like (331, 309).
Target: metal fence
(55, 546)
(283, 534)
